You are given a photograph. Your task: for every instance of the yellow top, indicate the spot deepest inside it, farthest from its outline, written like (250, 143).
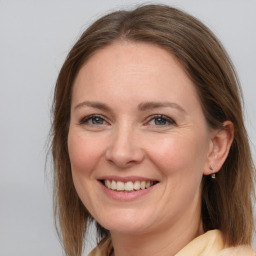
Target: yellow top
(209, 244)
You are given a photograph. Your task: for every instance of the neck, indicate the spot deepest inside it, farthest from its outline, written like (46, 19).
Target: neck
(159, 242)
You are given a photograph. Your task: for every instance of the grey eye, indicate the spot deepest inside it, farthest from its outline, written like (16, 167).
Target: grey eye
(161, 120)
(97, 120)
(93, 120)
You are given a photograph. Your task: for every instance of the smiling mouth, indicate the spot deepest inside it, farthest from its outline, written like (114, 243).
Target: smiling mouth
(128, 186)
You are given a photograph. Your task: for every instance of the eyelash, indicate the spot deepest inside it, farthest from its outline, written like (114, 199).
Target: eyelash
(168, 121)
(86, 119)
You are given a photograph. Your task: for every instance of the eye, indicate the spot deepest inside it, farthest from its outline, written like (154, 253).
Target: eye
(93, 120)
(161, 120)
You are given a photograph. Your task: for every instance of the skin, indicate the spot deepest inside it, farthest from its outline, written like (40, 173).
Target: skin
(128, 140)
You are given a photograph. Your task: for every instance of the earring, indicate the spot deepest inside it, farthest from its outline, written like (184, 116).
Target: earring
(213, 175)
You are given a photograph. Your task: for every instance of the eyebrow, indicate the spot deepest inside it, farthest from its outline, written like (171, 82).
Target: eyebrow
(142, 106)
(152, 105)
(93, 104)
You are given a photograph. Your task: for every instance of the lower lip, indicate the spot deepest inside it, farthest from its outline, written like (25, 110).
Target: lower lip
(124, 195)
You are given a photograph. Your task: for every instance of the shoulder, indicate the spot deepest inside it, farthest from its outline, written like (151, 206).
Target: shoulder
(241, 250)
(212, 243)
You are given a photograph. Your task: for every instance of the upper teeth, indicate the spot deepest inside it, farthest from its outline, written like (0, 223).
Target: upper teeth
(127, 186)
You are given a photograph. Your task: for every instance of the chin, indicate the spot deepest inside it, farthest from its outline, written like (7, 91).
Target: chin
(125, 222)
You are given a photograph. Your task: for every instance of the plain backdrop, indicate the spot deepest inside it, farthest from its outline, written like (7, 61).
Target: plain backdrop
(35, 37)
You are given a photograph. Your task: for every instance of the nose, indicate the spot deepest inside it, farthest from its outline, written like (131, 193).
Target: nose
(124, 149)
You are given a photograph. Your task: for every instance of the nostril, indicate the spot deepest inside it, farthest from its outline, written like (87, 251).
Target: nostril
(124, 157)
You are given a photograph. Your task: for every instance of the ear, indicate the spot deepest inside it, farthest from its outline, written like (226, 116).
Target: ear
(220, 144)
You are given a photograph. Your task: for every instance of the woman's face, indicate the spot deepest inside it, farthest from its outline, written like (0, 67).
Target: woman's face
(138, 140)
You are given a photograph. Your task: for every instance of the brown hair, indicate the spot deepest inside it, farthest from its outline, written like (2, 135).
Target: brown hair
(226, 201)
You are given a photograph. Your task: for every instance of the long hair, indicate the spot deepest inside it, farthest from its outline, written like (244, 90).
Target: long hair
(226, 201)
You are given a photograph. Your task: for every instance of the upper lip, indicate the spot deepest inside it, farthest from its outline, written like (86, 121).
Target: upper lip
(126, 179)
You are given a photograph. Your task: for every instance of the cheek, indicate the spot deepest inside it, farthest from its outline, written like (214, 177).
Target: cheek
(179, 153)
(84, 153)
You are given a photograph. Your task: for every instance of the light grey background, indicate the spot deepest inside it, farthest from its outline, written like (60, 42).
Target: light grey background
(35, 37)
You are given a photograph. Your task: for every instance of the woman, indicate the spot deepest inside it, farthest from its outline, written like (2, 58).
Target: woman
(149, 140)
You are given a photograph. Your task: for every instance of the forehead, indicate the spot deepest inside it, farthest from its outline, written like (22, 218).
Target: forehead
(132, 56)
(139, 69)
